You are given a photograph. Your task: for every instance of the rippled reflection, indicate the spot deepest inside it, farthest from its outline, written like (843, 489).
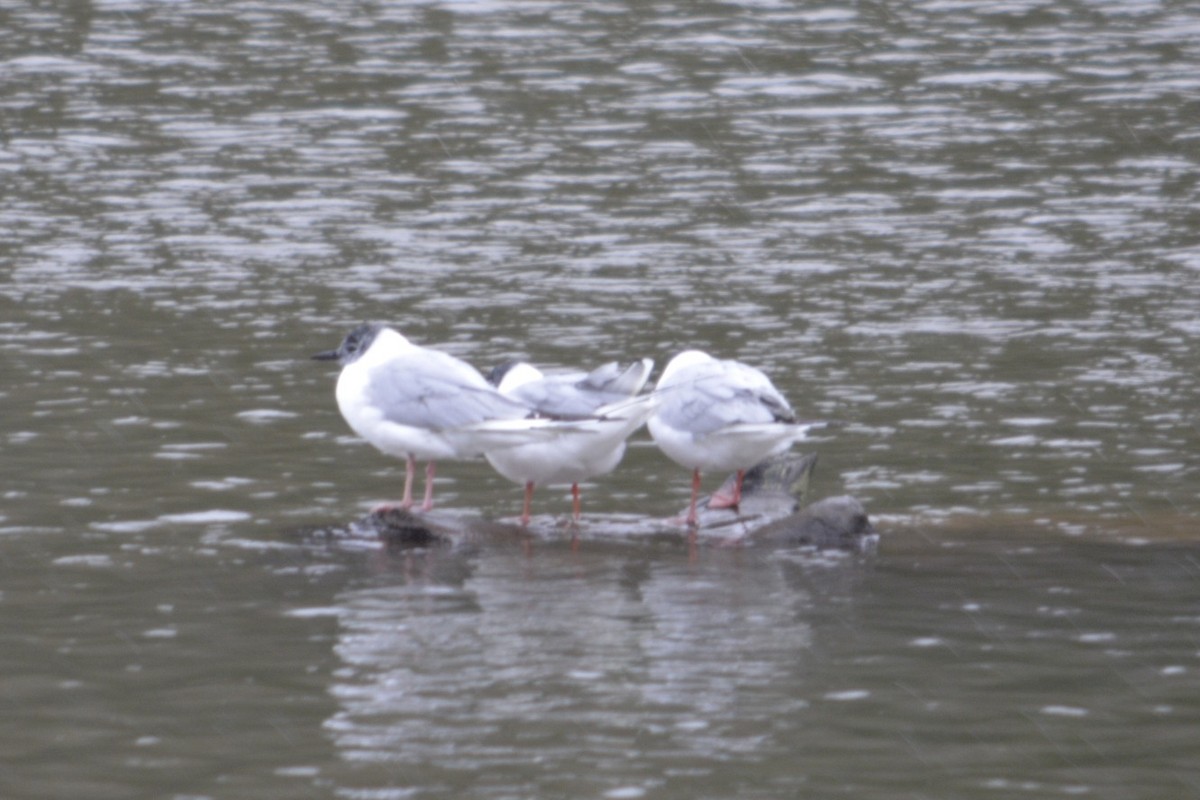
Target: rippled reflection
(629, 674)
(597, 664)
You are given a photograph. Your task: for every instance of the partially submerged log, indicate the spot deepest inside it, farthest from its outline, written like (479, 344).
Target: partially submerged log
(770, 514)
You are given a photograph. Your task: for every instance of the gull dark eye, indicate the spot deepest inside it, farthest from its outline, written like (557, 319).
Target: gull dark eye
(357, 341)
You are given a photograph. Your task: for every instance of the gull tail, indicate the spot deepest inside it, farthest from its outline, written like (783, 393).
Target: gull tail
(774, 436)
(497, 434)
(628, 381)
(641, 406)
(626, 416)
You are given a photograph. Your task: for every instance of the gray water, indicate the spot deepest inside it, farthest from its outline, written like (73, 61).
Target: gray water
(969, 231)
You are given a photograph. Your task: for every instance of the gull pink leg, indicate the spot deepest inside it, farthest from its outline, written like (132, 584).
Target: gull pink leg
(576, 505)
(430, 470)
(410, 466)
(528, 505)
(691, 517)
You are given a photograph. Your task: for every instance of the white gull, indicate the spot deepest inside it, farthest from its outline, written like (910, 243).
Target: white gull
(720, 415)
(415, 402)
(606, 406)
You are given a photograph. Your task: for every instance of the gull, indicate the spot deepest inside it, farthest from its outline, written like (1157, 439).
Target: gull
(571, 394)
(605, 403)
(720, 415)
(415, 402)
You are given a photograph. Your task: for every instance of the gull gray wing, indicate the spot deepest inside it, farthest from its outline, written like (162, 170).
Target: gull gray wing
(575, 396)
(433, 390)
(719, 395)
(557, 396)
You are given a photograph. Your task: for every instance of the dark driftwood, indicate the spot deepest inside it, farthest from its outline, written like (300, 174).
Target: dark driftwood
(771, 514)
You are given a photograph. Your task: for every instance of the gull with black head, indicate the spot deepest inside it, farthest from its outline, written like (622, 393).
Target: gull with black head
(418, 403)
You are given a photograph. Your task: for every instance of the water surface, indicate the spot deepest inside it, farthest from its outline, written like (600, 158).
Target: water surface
(966, 230)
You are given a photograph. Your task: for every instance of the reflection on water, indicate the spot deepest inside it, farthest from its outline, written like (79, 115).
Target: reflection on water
(619, 673)
(602, 664)
(966, 230)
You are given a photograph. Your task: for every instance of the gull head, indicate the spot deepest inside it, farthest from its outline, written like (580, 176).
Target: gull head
(356, 343)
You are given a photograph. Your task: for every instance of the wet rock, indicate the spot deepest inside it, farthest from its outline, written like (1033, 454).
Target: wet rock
(835, 522)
